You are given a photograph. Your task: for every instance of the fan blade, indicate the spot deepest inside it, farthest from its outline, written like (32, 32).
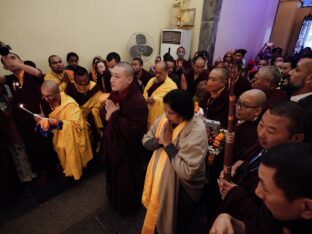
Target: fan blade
(140, 39)
(148, 51)
(134, 51)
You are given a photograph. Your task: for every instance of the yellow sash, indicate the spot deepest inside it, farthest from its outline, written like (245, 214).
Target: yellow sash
(150, 197)
(93, 105)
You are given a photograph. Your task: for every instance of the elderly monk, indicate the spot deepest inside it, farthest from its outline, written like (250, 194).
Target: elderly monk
(58, 74)
(267, 79)
(70, 140)
(216, 101)
(125, 122)
(156, 89)
(176, 172)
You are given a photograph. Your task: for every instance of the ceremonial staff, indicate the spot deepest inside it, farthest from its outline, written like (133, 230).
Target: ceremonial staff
(229, 135)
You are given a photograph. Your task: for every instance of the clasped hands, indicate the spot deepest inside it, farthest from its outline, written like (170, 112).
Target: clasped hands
(165, 134)
(110, 108)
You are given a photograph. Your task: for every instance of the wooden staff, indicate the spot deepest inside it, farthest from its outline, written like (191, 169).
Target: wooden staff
(229, 135)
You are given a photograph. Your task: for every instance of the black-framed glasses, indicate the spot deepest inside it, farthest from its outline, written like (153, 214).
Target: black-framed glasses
(244, 106)
(51, 96)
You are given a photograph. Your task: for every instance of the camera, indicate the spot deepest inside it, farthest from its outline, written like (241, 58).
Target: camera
(4, 49)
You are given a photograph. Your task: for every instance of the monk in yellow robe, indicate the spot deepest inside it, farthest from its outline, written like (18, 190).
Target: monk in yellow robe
(155, 90)
(90, 98)
(71, 142)
(58, 74)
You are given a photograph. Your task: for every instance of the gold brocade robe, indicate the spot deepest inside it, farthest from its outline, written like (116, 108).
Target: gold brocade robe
(58, 78)
(71, 143)
(156, 109)
(93, 105)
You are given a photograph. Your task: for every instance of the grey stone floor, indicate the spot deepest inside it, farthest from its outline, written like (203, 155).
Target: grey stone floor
(81, 209)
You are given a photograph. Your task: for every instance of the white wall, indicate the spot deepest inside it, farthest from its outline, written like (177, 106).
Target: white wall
(36, 29)
(244, 24)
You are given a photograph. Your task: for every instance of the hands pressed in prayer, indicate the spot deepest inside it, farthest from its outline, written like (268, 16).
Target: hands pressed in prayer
(166, 134)
(110, 108)
(150, 100)
(226, 224)
(225, 186)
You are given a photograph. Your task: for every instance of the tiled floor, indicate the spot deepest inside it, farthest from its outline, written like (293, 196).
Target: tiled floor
(81, 209)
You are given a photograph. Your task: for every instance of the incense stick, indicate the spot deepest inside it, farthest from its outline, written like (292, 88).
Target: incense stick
(35, 115)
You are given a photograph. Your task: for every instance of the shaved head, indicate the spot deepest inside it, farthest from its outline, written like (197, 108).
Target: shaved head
(162, 65)
(250, 105)
(224, 74)
(161, 71)
(50, 85)
(126, 67)
(256, 96)
(50, 92)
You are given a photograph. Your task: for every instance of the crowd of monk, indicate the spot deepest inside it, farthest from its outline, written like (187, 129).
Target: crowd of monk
(142, 127)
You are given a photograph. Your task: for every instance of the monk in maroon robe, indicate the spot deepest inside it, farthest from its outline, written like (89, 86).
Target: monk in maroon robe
(191, 77)
(249, 108)
(141, 76)
(125, 122)
(216, 102)
(288, 121)
(241, 83)
(181, 65)
(267, 79)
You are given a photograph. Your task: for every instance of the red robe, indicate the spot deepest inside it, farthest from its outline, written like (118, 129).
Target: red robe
(122, 150)
(191, 82)
(274, 96)
(143, 79)
(216, 108)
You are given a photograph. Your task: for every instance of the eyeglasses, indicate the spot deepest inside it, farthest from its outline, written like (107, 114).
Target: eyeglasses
(244, 106)
(48, 97)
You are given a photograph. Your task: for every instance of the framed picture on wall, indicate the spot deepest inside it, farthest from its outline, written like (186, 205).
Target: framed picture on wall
(188, 17)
